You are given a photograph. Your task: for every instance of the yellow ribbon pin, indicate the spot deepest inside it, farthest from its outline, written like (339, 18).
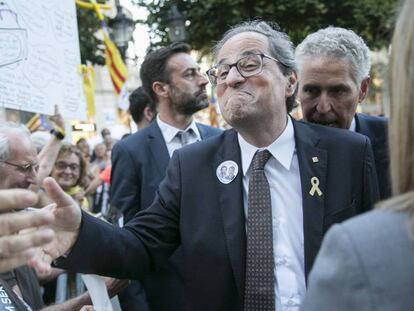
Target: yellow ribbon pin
(315, 187)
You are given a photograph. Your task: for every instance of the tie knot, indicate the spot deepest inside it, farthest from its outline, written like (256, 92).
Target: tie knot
(260, 158)
(184, 136)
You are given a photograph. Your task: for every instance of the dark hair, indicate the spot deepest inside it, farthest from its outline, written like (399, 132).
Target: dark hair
(105, 130)
(138, 100)
(280, 48)
(154, 68)
(81, 140)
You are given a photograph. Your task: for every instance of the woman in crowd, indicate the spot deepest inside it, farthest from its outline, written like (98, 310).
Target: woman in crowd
(367, 262)
(69, 172)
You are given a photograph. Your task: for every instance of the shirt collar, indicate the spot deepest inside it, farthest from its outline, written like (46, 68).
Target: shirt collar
(282, 149)
(168, 131)
(352, 127)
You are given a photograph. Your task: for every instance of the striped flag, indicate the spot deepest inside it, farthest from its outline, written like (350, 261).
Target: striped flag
(116, 66)
(212, 109)
(37, 122)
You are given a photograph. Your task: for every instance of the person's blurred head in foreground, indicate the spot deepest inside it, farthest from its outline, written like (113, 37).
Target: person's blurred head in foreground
(401, 82)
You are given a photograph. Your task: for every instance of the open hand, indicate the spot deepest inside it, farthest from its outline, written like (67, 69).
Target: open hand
(66, 224)
(16, 249)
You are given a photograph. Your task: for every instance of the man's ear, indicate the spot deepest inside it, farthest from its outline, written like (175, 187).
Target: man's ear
(364, 88)
(292, 83)
(161, 89)
(148, 114)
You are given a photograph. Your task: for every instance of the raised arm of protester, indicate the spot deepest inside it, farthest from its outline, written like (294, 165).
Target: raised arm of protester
(47, 156)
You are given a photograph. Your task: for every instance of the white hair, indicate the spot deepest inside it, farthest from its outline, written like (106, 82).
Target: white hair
(5, 128)
(336, 42)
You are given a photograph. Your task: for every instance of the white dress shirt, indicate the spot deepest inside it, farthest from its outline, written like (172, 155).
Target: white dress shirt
(169, 133)
(283, 175)
(352, 127)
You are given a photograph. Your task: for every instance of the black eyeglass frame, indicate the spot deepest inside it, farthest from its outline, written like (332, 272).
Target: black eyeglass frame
(213, 79)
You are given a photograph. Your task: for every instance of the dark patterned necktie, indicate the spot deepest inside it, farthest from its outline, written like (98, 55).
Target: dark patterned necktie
(184, 137)
(260, 279)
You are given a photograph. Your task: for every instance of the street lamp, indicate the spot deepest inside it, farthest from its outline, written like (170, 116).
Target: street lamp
(122, 27)
(176, 24)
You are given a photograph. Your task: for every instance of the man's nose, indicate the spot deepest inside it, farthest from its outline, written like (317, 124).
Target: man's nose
(234, 77)
(202, 80)
(324, 104)
(31, 177)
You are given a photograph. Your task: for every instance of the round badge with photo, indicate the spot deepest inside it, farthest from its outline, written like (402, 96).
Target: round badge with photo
(227, 171)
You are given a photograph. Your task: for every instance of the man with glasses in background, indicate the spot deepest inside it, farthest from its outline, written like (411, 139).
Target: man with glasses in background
(18, 169)
(249, 242)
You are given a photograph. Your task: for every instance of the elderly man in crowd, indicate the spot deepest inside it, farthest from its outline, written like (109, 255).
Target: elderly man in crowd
(248, 242)
(19, 168)
(334, 65)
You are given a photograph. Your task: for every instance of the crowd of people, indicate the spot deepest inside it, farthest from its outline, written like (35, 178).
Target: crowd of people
(263, 216)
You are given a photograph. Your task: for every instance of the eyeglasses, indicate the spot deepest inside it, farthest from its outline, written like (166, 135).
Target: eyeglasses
(61, 166)
(25, 168)
(247, 66)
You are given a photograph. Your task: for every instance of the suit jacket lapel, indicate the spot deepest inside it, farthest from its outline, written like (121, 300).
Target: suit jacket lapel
(312, 163)
(158, 148)
(363, 128)
(203, 131)
(231, 206)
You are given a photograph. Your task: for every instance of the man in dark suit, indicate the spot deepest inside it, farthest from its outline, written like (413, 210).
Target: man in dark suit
(173, 81)
(302, 177)
(334, 65)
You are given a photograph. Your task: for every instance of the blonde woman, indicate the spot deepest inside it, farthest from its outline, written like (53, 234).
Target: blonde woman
(367, 263)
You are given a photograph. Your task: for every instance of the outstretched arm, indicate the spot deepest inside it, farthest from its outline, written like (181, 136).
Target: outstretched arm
(146, 242)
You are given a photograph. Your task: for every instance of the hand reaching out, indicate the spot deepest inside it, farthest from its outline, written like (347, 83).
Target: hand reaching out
(16, 248)
(66, 224)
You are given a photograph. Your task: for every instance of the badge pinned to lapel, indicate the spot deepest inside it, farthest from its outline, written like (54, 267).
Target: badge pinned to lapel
(315, 187)
(227, 171)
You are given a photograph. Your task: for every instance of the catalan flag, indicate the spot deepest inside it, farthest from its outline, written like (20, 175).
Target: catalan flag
(116, 66)
(37, 122)
(212, 109)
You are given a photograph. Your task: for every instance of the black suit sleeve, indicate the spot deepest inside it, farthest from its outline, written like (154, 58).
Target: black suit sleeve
(370, 180)
(125, 182)
(145, 243)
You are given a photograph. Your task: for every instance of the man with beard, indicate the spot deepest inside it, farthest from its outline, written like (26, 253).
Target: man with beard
(173, 81)
(334, 65)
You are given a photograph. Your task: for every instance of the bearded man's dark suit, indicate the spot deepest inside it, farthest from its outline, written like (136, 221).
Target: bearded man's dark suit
(139, 163)
(205, 217)
(376, 128)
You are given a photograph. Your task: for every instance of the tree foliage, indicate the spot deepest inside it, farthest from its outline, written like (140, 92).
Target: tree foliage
(209, 19)
(91, 47)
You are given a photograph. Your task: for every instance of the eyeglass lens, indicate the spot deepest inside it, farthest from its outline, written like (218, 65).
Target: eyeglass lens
(63, 166)
(247, 66)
